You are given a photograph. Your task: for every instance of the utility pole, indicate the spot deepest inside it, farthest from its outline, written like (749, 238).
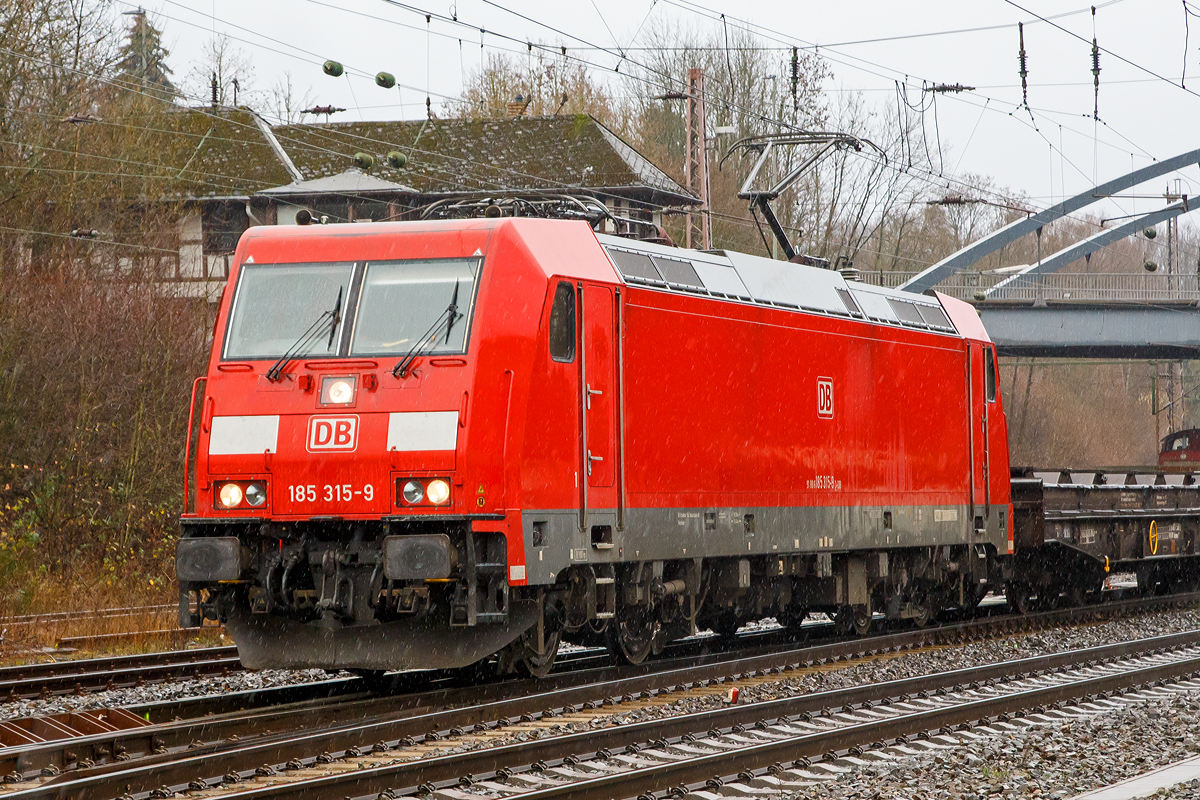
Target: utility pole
(698, 231)
(1172, 283)
(140, 13)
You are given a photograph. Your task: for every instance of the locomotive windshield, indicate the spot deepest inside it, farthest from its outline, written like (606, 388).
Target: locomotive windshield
(277, 303)
(401, 300)
(398, 302)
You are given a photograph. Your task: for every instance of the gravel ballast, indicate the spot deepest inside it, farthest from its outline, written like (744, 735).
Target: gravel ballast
(1056, 760)
(829, 677)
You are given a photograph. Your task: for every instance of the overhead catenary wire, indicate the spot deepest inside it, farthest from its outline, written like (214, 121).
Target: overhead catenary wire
(987, 100)
(1187, 12)
(775, 36)
(714, 16)
(1117, 56)
(686, 4)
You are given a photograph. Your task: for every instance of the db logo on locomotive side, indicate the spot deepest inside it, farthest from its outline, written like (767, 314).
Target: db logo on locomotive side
(332, 433)
(825, 398)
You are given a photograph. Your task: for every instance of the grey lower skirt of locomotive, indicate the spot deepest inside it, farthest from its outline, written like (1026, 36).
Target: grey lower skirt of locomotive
(387, 596)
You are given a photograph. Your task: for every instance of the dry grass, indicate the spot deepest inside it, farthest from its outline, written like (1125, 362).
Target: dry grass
(96, 633)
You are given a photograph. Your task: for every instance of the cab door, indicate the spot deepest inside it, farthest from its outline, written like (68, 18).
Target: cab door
(977, 393)
(598, 383)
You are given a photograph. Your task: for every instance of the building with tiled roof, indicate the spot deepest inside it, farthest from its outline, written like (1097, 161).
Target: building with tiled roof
(244, 172)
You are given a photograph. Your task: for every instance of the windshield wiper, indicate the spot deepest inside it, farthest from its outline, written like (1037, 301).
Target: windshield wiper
(452, 309)
(314, 332)
(429, 338)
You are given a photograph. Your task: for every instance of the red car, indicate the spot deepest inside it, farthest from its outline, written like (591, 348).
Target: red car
(425, 444)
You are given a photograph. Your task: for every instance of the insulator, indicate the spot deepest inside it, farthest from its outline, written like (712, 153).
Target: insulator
(1024, 71)
(795, 78)
(396, 159)
(332, 68)
(364, 161)
(385, 80)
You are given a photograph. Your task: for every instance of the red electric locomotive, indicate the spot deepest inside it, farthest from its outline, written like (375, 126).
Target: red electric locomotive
(425, 444)
(1180, 451)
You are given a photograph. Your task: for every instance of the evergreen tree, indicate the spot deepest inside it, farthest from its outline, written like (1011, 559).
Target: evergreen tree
(143, 59)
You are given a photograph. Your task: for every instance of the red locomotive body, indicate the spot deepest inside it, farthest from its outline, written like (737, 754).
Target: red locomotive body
(1180, 451)
(423, 444)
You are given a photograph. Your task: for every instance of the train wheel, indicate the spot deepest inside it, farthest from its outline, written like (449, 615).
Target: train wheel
(923, 609)
(1017, 595)
(726, 626)
(634, 633)
(791, 618)
(862, 619)
(535, 661)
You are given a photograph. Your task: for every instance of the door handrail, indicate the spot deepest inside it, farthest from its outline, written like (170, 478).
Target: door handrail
(583, 405)
(187, 450)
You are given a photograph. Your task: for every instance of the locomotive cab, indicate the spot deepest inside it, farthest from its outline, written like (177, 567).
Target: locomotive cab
(350, 496)
(1180, 451)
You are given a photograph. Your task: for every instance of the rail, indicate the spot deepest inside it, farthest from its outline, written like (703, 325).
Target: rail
(299, 742)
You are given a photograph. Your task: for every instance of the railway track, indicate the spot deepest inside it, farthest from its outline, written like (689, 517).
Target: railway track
(57, 617)
(392, 735)
(94, 674)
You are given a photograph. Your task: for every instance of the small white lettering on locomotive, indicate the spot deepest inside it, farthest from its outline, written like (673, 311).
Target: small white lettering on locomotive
(332, 433)
(825, 482)
(825, 398)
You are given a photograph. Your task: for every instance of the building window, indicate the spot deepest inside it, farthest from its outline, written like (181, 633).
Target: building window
(223, 226)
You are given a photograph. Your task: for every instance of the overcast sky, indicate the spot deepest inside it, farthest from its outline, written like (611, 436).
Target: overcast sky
(869, 46)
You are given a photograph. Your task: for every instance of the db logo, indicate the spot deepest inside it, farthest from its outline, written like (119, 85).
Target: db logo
(332, 433)
(825, 398)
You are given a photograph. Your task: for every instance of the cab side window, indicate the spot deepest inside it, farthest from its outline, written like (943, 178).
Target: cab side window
(562, 324)
(989, 374)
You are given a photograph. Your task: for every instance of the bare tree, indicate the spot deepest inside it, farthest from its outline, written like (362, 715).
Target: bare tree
(547, 85)
(284, 106)
(230, 68)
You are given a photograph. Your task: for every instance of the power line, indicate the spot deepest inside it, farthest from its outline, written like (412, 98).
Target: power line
(1121, 58)
(89, 240)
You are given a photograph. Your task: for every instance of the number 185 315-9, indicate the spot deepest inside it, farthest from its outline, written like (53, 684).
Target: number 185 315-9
(329, 493)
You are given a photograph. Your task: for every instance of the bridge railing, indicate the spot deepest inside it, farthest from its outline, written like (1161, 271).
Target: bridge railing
(1059, 287)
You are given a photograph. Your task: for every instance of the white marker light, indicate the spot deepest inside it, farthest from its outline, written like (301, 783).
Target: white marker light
(438, 491)
(337, 391)
(230, 495)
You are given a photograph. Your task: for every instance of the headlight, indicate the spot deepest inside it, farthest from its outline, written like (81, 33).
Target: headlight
(230, 495)
(256, 495)
(438, 491)
(337, 391)
(413, 493)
